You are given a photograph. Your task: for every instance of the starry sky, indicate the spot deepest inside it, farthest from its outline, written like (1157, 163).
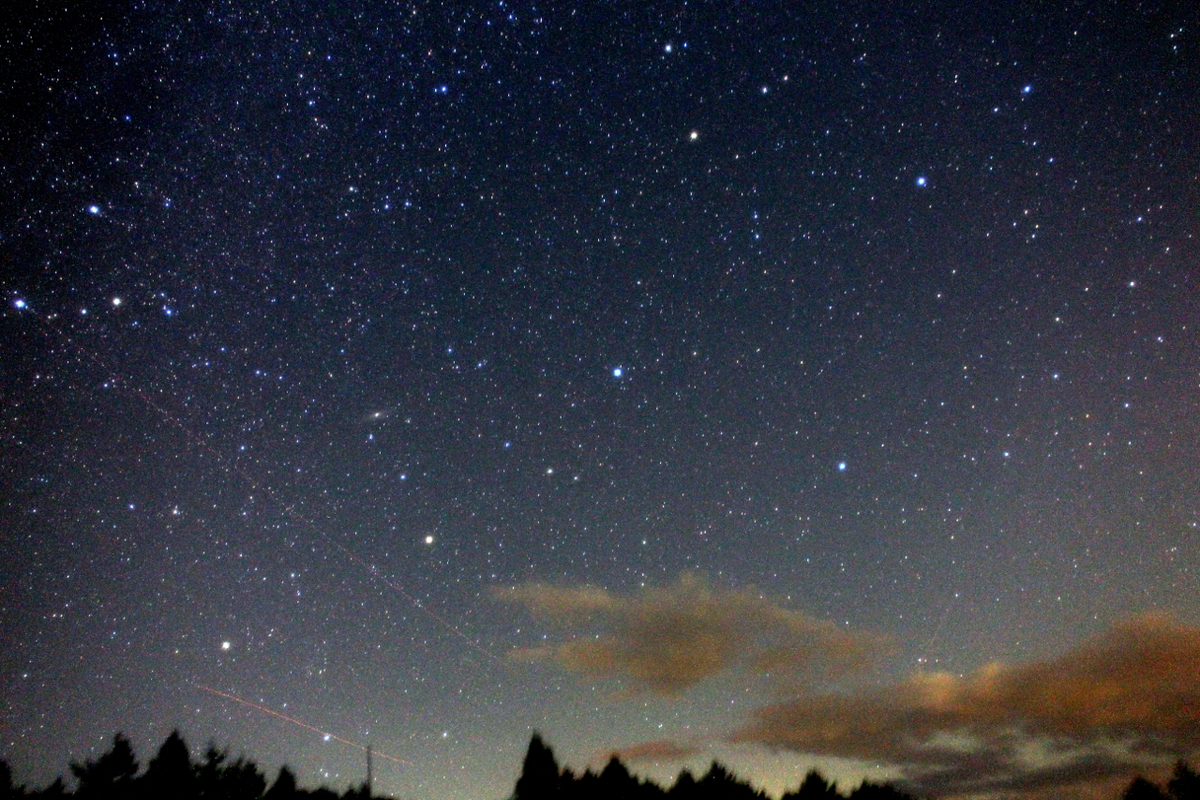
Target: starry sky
(796, 384)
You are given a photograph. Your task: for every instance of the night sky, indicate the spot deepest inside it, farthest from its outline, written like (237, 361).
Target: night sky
(792, 384)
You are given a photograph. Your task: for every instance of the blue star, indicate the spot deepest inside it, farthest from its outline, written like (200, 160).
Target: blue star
(841, 466)
(617, 372)
(921, 181)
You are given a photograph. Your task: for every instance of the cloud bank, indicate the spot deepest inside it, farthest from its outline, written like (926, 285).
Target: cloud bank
(1128, 699)
(667, 640)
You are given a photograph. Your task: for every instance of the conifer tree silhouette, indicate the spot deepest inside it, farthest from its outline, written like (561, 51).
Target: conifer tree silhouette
(540, 774)
(236, 780)
(170, 774)
(684, 787)
(615, 781)
(1142, 789)
(110, 776)
(814, 787)
(284, 787)
(868, 790)
(721, 784)
(1184, 783)
(7, 790)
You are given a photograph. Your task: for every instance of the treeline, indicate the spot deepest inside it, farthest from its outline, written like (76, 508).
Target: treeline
(542, 779)
(173, 775)
(1183, 785)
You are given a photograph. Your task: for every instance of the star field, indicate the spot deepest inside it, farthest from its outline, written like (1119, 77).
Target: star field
(326, 325)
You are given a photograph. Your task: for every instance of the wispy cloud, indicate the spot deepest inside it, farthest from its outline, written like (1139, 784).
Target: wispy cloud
(667, 640)
(1127, 699)
(655, 751)
(1072, 726)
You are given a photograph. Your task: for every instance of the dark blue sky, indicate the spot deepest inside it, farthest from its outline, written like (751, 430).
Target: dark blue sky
(325, 324)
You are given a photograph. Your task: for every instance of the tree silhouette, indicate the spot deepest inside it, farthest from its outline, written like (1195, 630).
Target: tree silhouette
(110, 776)
(284, 787)
(684, 787)
(540, 774)
(868, 790)
(173, 775)
(721, 784)
(616, 782)
(1142, 789)
(1184, 783)
(170, 773)
(814, 787)
(237, 780)
(7, 789)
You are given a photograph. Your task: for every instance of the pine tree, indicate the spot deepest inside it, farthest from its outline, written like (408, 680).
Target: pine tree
(284, 787)
(1142, 789)
(539, 773)
(110, 776)
(170, 774)
(1184, 783)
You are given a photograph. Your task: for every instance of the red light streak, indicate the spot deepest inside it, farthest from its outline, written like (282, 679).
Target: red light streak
(297, 722)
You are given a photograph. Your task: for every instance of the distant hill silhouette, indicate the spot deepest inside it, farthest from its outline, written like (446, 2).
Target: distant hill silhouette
(172, 775)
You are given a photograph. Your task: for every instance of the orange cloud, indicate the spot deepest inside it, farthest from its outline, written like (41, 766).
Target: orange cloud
(1127, 699)
(666, 640)
(659, 750)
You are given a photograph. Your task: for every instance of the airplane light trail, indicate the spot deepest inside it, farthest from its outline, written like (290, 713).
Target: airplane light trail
(49, 323)
(304, 725)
